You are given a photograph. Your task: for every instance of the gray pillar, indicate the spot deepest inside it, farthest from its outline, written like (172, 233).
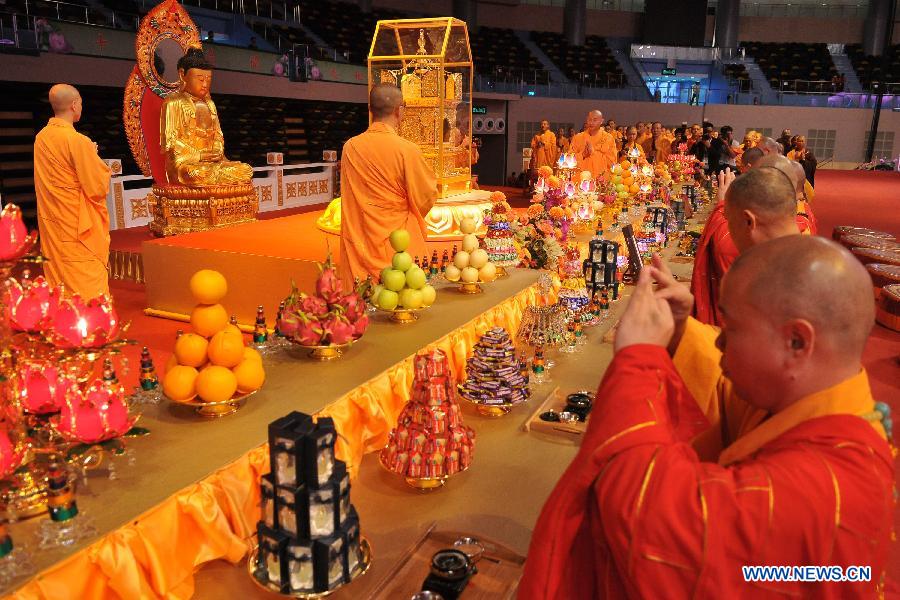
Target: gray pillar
(878, 26)
(728, 19)
(467, 10)
(575, 22)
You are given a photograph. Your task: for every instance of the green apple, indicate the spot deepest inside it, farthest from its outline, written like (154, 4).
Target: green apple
(388, 300)
(461, 260)
(478, 259)
(428, 295)
(415, 278)
(410, 298)
(394, 280)
(451, 273)
(400, 240)
(402, 261)
(470, 242)
(384, 272)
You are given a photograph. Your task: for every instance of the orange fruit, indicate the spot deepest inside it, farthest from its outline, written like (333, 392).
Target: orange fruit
(208, 286)
(226, 349)
(190, 350)
(216, 384)
(251, 354)
(179, 384)
(250, 375)
(172, 362)
(233, 329)
(209, 319)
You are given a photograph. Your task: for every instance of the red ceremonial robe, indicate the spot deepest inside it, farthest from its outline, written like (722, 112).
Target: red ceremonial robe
(638, 515)
(715, 253)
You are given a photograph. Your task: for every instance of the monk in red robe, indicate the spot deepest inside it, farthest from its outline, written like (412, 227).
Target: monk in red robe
(760, 205)
(794, 469)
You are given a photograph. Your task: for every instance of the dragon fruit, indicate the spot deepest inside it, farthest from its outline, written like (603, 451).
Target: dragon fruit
(309, 331)
(329, 286)
(289, 324)
(359, 326)
(353, 307)
(312, 305)
(340, 328)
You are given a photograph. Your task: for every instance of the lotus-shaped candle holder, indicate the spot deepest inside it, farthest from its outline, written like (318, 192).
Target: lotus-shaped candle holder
(84, 325)
(32, 306)
(95, 415)
(11, 452)
(571, 161)
(15, 241)
(41, 386)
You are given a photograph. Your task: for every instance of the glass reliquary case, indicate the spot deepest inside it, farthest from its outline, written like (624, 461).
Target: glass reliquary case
(431, 62)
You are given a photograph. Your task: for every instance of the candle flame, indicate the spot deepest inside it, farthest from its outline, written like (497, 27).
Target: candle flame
(82, 327)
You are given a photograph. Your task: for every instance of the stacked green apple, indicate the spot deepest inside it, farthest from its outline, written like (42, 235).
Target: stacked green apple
(403, 285)
(471, 264)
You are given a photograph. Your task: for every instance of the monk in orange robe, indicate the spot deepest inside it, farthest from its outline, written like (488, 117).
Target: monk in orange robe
(71, 183)
(630, 148)
(793, 469)
(543, 147)
(658, 145)
(385, 185)
(759, 205)
(594, 148)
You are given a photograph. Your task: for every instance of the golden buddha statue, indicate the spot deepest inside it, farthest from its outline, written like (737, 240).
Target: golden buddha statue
(190, 135)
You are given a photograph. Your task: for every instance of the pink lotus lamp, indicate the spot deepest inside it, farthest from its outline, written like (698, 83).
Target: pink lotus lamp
(95, 415)
(41, 387)
(79, 324)
(31, 307)
(15, 241)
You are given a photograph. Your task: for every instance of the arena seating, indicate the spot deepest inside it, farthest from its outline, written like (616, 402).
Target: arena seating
(344, 27)
(805, 67)
(885, 69)
(737, 73)
(592, 64)
(500, 52)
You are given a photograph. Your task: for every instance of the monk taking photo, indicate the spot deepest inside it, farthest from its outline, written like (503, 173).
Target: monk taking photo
(71, 183)
(790, 465)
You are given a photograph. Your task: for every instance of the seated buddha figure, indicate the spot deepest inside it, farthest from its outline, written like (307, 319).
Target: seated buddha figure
(190, 135)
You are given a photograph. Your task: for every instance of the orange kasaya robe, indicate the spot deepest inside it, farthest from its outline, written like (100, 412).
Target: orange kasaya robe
(546, 154)
(603, 153)
(71, 184)
(638, 514)
(385, 185)
(715, 253)
(628, 149)
(659, 149)
(806, 220)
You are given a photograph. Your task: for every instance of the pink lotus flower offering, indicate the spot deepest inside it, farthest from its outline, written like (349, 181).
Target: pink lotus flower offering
(32, 306)
(10, 455)
(80, 324)
(330, 317)
(41, 386)
(15, 241)
(95, 415)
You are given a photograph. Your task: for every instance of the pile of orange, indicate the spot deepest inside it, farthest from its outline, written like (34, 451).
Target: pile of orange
(211, 362)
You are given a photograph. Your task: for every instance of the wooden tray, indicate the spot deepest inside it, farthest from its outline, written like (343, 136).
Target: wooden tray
(499, 569)
(569, 432)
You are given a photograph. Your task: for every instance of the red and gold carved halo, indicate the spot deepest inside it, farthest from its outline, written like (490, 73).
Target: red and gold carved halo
(168, 20)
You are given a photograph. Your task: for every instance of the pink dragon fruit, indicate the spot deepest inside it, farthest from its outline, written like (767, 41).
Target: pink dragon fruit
(289, 324)
(312, 305)
(353, 307)
(329, 286)
(309, 331)
(341, 329)
(359, 326)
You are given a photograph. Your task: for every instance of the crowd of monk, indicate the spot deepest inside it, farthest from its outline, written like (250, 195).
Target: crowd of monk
(735, 425)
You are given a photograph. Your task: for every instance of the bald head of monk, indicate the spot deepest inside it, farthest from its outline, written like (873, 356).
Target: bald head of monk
(594, 121)
(786, 166)
(66, 102)
(769, 146)
(386, 104)
(760, 205)
(797, 313)
(750, 158)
